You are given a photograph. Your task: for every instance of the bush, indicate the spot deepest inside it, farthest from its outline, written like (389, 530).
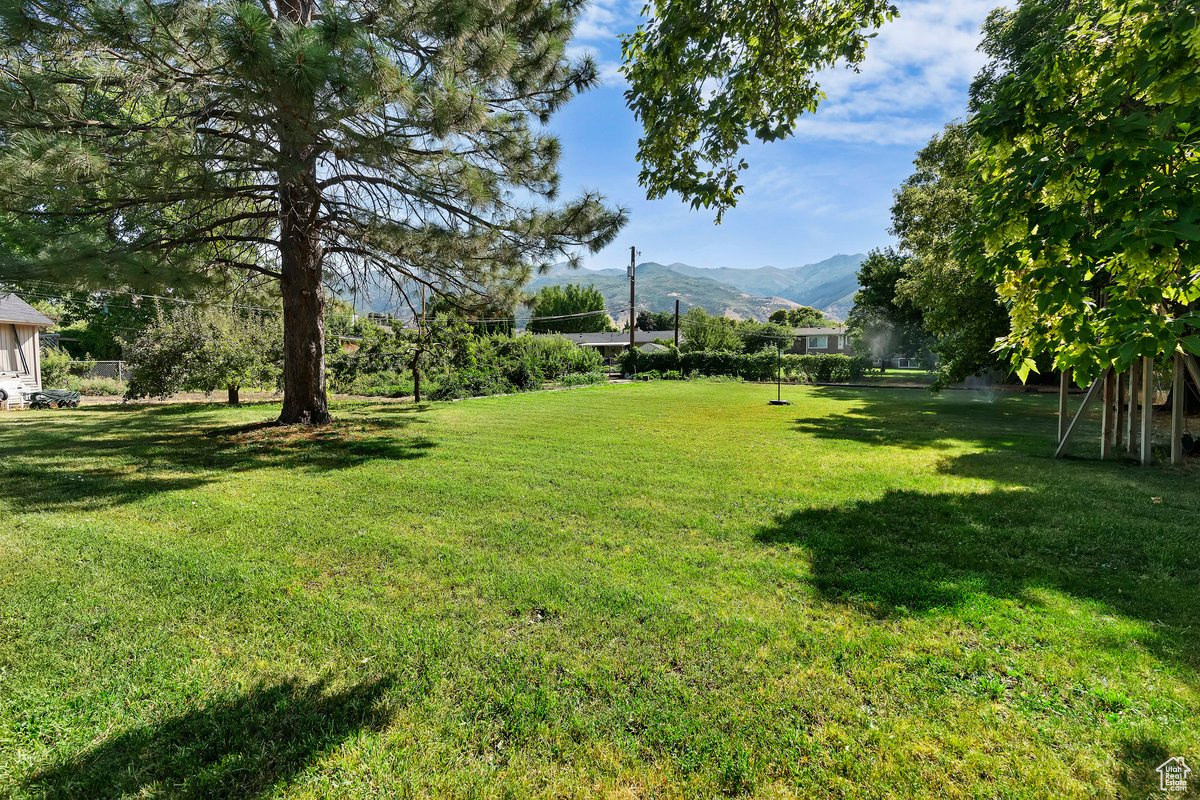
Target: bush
(96, 387)
(56, 366)
(583, 379)
(470, 382)
(759, 366)
(380, 384)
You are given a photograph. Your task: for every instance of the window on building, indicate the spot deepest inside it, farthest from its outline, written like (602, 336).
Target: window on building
(818, 342)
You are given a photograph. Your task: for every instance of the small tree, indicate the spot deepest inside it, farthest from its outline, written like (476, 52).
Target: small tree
(655, 321)
(204, 350)
(579, 309)
(758, 336)
(802, 317)
(702, 331)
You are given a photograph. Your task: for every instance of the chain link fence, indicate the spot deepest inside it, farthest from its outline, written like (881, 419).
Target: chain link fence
(113, 370)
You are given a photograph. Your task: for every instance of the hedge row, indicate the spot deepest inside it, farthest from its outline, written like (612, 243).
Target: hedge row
(748, 366)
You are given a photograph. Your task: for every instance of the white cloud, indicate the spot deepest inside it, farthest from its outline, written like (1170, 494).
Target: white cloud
(606, 19)
(914, 78)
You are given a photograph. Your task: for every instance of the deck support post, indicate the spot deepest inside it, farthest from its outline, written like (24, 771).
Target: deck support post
(1119, 410)
(1146, 435)
(1131, 427)
(1107, 423)
(1064, 386)
(1178, 404)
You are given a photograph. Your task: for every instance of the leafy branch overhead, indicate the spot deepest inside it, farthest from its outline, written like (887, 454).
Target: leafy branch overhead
(1087, 124)
(707, 75)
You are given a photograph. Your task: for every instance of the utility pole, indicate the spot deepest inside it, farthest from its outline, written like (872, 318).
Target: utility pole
(632, 298)
(676, 323)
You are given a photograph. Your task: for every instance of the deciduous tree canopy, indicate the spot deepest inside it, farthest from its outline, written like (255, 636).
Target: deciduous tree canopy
(1088, 126)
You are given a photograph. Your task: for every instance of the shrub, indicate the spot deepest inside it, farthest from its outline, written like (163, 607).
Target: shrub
(583, 379)
(470, 382)
(761, 366)
(55, 368)
(380, 384)
(96, 387)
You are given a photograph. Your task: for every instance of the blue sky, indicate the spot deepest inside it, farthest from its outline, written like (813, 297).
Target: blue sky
(825, 191)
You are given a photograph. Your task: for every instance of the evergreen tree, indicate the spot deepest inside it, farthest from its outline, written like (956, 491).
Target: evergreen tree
(166, 142)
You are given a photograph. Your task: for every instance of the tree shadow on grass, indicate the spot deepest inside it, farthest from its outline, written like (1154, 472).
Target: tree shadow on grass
(910, 419)
(91, 459)
(239, 747)
(1117, 534)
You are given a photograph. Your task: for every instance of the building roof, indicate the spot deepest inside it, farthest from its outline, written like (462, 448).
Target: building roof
(614, 338)
(15, 310)
(821, 331)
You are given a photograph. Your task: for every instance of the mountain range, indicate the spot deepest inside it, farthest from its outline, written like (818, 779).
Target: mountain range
(738, 293)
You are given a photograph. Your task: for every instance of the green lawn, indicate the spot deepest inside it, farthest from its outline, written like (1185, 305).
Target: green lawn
(648, 590)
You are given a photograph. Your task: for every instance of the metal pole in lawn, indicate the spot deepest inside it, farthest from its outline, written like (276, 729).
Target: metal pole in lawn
(779, 401)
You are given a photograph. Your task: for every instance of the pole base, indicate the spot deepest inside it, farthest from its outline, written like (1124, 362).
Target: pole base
(780, 403)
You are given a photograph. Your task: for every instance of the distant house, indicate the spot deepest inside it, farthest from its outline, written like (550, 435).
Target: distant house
(612, 344)
(20, 353)
(822, 341)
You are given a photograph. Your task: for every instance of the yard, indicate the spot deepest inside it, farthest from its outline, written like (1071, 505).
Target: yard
(649, 590)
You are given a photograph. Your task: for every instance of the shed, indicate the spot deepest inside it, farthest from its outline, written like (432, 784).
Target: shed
(20, 353)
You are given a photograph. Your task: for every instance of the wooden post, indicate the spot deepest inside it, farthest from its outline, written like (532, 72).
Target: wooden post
(1064, 386)
(676, 323)
(1119, 410)
(1107, 424)
(1131, 429)
(1178, 403)
(1146, 435)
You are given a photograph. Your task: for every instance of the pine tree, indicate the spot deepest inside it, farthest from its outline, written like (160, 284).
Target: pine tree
(167, 142)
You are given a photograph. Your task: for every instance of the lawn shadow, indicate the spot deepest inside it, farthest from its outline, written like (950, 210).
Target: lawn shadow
(239, 747)
(1107, 532)
(92, 459)
(926, 420)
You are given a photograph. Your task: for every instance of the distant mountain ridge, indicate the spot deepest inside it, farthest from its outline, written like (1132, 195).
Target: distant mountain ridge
(740, 293)
(725, 291)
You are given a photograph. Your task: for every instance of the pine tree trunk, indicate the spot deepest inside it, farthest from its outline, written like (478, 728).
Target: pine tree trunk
(301, 252)
(304, 399)
(234, 398)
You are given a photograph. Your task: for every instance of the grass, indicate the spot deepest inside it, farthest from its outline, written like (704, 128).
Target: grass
(651, 590)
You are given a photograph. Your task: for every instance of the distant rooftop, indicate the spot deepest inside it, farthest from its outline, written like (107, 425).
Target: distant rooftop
(821, 331)
(15, 310)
